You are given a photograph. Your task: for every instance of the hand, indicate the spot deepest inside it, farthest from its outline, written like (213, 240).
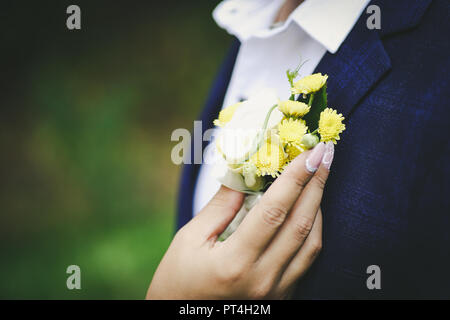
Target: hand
(273, 247)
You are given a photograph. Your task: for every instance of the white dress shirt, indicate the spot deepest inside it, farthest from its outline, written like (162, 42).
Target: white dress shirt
(268, 50)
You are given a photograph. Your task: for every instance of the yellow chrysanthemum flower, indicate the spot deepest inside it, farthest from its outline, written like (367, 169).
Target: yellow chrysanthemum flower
(293, 108)
(309, 84)
(293, 151)
(226, 114)
(269, 159)
(291, 131)
(330, 125)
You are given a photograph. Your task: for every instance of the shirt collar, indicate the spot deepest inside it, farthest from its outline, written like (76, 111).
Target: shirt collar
(327, 21)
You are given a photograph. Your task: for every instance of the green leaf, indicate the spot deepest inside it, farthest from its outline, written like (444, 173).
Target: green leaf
(292, 74)
(318, 105)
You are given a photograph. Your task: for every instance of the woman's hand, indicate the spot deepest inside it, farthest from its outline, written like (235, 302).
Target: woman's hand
(273, 247)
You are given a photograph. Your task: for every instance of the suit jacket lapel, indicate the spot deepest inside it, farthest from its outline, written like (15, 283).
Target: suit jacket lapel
(357, 66)
(362, 61)
(400, 15)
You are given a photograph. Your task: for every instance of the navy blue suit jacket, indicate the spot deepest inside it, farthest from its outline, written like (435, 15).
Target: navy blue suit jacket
(386, 202)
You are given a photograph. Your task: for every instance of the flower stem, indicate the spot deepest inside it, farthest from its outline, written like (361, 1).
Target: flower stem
(311, 98)
(266, 121)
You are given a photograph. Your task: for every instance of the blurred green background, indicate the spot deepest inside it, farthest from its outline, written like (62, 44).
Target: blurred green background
(86, 118)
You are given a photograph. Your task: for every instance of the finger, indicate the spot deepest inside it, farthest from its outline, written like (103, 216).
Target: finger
(298, 225)
(264, 220)
(303, 260)
(212, 220)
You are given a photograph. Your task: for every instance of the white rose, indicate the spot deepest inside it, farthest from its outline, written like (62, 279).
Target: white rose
(228, 177)
(237, 139)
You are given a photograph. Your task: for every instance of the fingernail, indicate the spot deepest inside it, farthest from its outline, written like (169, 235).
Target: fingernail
(314, 159)
(327, 159)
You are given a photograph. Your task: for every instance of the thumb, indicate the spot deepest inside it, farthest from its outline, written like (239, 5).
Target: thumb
(219, 212)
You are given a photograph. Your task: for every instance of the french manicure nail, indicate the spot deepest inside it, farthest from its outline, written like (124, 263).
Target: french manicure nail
(314, 159)
(328, 155)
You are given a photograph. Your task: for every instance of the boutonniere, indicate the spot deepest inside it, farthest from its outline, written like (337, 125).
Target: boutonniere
(259, 137)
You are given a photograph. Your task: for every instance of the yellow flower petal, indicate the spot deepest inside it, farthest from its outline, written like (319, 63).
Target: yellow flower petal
(293, 108)
(291, 131)
(330, 125)
(293, 151)
(269, 160)
(309, 84)
(226, 115)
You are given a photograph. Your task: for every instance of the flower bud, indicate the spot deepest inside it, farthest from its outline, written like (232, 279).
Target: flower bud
(251, 179)
(310, 140)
